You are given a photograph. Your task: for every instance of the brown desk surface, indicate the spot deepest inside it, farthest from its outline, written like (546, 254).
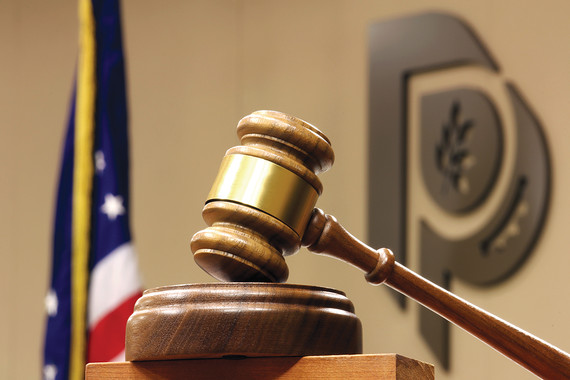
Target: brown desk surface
(345, 367)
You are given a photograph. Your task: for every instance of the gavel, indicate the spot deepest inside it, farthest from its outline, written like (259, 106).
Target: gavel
(262, 208)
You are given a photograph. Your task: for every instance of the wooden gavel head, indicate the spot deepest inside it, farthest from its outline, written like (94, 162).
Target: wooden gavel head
(262, 198)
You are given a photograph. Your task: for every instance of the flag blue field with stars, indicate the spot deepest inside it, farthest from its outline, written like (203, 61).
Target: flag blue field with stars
(94, 279)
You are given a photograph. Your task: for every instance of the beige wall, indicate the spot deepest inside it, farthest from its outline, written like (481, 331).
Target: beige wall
(37, 58)
(196, 67)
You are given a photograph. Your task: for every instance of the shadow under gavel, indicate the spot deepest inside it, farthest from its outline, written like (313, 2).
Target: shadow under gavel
(261, 208)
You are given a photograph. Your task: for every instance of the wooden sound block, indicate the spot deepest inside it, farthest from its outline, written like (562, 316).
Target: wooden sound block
(241, 320)
(338, 367)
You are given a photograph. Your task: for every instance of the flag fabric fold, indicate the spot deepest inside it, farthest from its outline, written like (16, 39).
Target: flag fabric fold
(95, 280)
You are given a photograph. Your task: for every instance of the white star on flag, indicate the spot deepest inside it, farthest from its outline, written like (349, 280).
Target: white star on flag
(113, 206)
(50, 371)
(51, 303)
(100, 163)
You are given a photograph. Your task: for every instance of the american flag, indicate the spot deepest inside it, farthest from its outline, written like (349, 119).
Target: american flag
(95, 280)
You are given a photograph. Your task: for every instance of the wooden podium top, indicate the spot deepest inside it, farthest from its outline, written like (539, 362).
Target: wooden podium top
(341, 367)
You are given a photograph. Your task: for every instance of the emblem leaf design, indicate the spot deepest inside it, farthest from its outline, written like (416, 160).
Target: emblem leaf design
(452, 155)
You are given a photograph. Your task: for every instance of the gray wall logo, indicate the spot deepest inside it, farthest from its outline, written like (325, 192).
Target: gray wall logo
(461, 151)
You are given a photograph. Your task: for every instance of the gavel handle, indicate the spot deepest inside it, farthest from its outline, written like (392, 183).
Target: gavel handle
(326, 236)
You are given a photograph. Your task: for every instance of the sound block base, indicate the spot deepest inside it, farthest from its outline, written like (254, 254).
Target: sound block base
(337, 367)
(217, 320)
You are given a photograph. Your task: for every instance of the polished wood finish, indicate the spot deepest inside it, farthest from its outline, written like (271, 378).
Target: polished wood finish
(230, 251)
(342, 367)
(247, 244)
(326, 236)
(247, 247)
(241, 319)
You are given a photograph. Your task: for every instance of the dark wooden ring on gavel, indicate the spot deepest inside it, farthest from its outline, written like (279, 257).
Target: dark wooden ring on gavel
(261, 209)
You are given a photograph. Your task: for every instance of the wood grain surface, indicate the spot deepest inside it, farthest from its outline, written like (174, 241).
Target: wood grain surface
(341, 367)
(241, 319)
(326, 236)
(244, 243)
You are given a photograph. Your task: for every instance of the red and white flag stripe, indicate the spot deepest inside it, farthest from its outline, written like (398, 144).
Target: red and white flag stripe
(114, 287)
